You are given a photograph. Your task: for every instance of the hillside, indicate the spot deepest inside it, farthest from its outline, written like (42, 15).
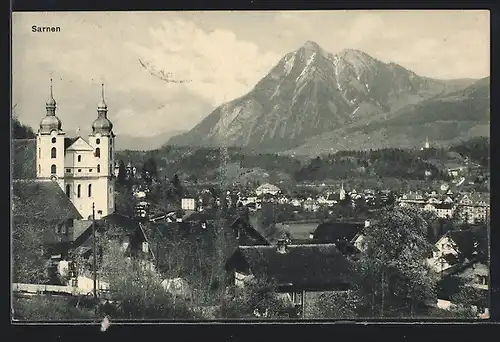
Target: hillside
(445, 120)
(311, 92)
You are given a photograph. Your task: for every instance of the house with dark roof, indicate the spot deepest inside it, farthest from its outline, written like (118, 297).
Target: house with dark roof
(457, 247)
(43, 204)
(295, 269)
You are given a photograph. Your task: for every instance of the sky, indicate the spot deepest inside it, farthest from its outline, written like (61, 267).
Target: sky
(222, 54)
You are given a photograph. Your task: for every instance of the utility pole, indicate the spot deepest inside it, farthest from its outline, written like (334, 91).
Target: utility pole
(94, 254)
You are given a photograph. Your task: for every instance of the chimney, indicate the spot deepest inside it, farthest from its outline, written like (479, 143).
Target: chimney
(281, 246)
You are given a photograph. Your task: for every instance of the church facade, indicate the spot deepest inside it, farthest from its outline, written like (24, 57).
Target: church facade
(83, 168)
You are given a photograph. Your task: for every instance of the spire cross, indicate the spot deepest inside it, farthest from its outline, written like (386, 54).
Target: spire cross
(51, 95)
(102, 90)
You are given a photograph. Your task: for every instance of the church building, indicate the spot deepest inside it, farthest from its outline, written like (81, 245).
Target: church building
(82, 167)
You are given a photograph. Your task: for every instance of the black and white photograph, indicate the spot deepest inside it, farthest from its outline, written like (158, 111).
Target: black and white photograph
(250, 166)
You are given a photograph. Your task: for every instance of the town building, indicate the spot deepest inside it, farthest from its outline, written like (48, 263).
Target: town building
(83, 168)
(267, 189)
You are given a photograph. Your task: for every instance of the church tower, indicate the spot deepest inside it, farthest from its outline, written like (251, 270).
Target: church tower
(102, 140)
(342, 192)
(50, 145)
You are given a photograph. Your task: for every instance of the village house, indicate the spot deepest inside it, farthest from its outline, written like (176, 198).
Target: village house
(346, 234)
(299, 271)
(456, 247)
(188, 204)
(267, 188)
(474, 207)
(311, 204)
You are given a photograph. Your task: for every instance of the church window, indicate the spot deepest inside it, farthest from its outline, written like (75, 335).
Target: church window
(110, 168)
(98, 152)
(90, 190)
(39, 153)
(90, 170)
(79, 191)
(98, 168)
(68, 190)
(53, 169)
(110, 150)
(53, 153)
(68, 170)
(79, 170)
(79, 158)
(98, 141)
(39, 168)
(53, 140)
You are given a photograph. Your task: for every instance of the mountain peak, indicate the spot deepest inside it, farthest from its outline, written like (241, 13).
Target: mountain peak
(310, 45)
(351, 54)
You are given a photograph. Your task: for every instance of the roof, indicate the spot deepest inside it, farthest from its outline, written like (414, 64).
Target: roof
(24, 158)
(42, 199)
(127, 225)
(268, 186)
(271, 233)
(69, 141)
(465, 240)
(333, 231)
(79, 227)
(301, 265)
(445, 206)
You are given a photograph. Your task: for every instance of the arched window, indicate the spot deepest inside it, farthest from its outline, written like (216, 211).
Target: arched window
(39, 152)
(68, 190)
(90, 190)
(53, 169)
(111, 168)
(79, 158)
(98, 152)
(53, 153)
(79, 191)
(110, 151)
(98, 141)
(53, 140)
(98, 168)
(39, 169)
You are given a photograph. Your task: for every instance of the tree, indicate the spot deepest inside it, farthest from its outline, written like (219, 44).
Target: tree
(149, 170)
(136, 287)
(395, 278)
(335, 305)
(257, 299)
(122, 173)
(124, 201)
(30, 263)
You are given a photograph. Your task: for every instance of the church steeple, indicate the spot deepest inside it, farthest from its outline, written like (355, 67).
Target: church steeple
(50, 105)
(50, 122)
(102, 124)
(102, 107)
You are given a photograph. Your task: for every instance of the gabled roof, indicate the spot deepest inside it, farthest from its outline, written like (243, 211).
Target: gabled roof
(68, 142)
(314, 265)
(80, 227)
(43, 200)
(465, 241)
(79, 144)
(333, 231)
(23, 158)
(271, 233)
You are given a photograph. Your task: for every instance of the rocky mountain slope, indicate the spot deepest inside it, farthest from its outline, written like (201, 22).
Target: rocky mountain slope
(311, 94)
(444, 120)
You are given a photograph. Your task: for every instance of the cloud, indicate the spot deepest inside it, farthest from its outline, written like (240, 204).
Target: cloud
(220, 66)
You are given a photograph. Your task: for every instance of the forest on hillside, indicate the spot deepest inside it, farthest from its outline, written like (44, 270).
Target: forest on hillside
(205, 164)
